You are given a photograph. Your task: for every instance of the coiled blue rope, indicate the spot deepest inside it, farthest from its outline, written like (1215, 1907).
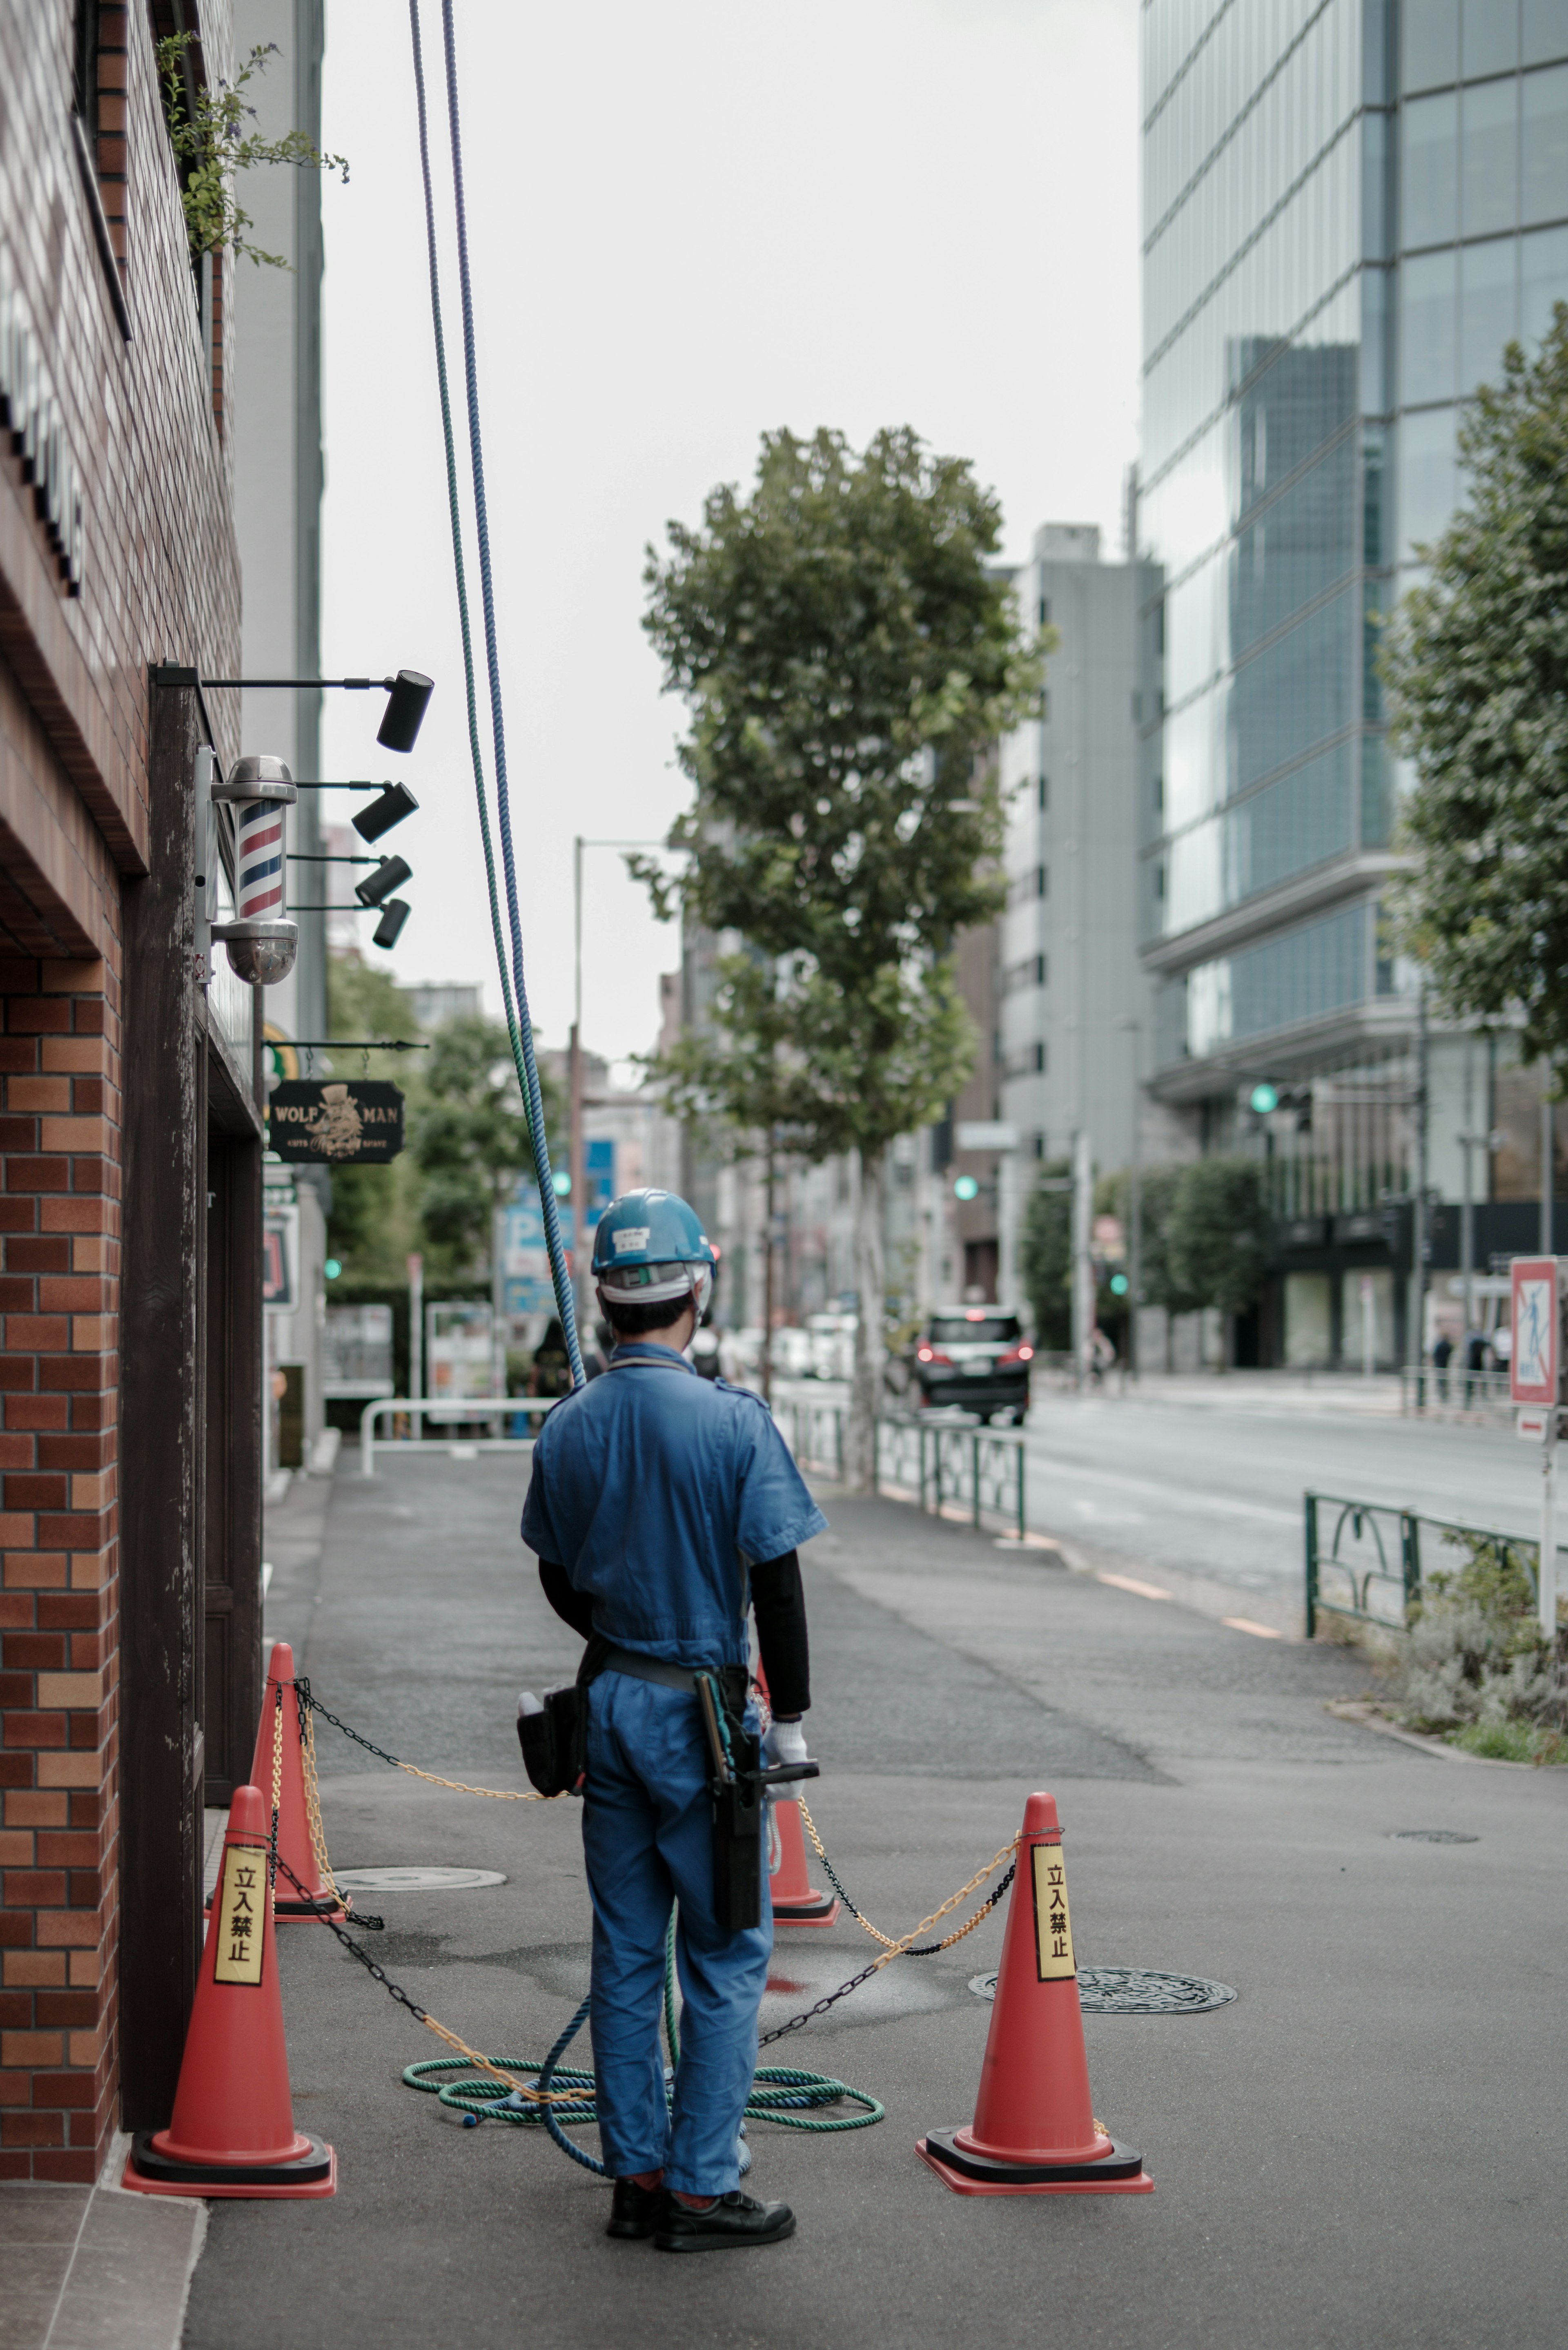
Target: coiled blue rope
(519, 1023)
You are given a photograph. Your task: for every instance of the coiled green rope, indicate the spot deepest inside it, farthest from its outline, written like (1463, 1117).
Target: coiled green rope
(790, 2098)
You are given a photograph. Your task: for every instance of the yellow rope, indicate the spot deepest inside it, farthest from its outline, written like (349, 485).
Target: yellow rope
(498, 1794)
(895, 1948)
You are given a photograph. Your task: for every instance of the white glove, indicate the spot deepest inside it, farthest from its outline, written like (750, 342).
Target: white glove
(785, 1743)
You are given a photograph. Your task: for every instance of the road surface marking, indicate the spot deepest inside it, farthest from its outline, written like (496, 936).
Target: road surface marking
(1131, 1583)
(1245, 1624)
(1183, 1496)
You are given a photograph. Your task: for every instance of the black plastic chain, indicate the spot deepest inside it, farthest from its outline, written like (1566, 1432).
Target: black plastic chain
(915, 1950)
(378, 1973)
(302, 1686)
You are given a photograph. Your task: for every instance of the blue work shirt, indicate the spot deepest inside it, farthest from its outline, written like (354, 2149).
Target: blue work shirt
(654, 1488)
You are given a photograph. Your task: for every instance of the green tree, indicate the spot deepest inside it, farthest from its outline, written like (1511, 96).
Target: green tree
(1045, 1254)
(1157, 1189)
(470, 1142)
(1217, 1232)
(1478, 669)
(374, 1219)
(848, 654)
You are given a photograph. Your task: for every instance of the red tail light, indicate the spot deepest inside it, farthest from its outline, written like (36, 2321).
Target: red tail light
(932, 1354)
(1013, 1356)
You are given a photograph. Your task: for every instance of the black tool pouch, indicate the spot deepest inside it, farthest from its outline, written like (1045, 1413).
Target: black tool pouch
(738, 1807)
(556, 1742)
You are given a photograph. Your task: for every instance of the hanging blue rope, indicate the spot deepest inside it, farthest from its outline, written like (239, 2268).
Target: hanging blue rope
(520, 1025)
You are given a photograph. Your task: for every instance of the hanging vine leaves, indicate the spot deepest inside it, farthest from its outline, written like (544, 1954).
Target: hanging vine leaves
(208, 133)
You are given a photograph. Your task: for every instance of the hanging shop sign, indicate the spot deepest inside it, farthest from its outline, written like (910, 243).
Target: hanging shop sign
(340, 1122)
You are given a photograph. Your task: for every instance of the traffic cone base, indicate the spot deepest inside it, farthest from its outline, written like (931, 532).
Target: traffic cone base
(1035, 2131)
(152, 2172)
(1119, 2172)
(796, 1901)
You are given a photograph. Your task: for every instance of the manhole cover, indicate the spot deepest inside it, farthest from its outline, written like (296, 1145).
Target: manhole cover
(1133, 1991)
(1432, 1836)
(415, 1880)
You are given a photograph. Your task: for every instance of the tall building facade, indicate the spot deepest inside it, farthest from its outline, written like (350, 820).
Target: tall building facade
(1349, 207)
(1072, 999)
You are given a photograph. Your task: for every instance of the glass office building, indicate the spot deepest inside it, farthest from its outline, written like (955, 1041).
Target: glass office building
(1349, 207)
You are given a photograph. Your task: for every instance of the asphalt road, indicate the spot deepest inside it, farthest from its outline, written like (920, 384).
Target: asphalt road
(1191, 1483)
(1364, 2149)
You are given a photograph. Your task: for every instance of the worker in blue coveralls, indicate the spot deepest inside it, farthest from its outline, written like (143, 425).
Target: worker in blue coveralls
(661, 1504)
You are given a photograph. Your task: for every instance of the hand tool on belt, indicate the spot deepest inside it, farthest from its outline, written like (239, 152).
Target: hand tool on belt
(553, 1738)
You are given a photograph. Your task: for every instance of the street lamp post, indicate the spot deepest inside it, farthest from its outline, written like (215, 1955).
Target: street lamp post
(1135, 1197)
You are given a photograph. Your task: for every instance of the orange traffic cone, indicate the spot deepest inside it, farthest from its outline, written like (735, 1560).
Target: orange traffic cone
(796, 1901)
(233, 2130)
(1035, 2131)
(294, 1839)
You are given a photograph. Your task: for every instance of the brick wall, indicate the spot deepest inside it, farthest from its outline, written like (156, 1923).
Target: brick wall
(59, 1221)
(77, 728)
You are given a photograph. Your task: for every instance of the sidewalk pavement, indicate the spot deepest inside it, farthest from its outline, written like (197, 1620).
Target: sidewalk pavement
(1363, 2148)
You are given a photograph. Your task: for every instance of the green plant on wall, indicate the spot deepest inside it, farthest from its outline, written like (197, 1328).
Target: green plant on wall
(207, 128)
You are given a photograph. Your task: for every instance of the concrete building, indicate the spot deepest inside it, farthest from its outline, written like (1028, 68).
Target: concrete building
(1073, 999)
(278, 480)
(1348, 209)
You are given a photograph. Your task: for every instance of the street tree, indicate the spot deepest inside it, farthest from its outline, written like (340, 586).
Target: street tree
(1046, 1254)
(470, 1142)
(373, 1222)
(1158, 1189)
(1478, 671)
(1216, 1235)
(848, 651)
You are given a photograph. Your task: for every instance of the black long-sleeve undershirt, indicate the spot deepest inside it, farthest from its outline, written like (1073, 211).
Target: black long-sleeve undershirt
(780, 1605)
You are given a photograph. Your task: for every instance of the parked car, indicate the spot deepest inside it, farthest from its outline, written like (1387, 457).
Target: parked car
(974, 1356)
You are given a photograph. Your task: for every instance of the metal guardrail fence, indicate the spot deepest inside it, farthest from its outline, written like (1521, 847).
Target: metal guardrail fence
(1425, 1390)
(949, 1468)
(1356, 1551)
(426, 1407)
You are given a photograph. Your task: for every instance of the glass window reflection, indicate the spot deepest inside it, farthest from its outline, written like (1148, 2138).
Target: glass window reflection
(1429, 42)
(1487, 310)
(1543, 146)
(1490, 156)
(1543, 31)
(1427, 338)
(1425, 477)
(1429, 178)
(1489, 37)
(1543, 280)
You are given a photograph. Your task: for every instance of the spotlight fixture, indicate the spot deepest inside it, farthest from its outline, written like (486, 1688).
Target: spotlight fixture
(409, 695)
(394, 802)
(391, 873)
(405, 712)
(388, 929)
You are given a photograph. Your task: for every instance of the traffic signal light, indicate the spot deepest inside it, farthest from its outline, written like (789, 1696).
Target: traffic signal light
(1264, 1099)
(965, 1187)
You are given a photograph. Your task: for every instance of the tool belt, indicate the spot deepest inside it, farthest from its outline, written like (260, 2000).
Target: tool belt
(556, 1742)
(554, 1755)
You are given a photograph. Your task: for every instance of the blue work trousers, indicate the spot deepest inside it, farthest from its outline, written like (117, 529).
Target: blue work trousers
(648, 1837)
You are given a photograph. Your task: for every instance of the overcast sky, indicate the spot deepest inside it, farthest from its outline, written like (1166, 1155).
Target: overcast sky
(690, 223)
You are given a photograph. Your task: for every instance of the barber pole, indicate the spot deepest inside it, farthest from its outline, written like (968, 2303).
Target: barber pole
(258, 859)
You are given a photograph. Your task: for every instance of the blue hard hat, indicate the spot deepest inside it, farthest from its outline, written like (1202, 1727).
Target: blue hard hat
(644, 1247)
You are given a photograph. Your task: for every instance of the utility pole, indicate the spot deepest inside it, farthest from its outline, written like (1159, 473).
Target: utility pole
(575, 1090)
(1467, 1220)
(1548, 1160)
(1083, 1262)
(767, 1363)
(1135, 1198)
(1417, 1309)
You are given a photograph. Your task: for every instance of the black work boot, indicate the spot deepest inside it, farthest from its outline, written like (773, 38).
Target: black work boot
(730, 2224)
(636, 2211)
